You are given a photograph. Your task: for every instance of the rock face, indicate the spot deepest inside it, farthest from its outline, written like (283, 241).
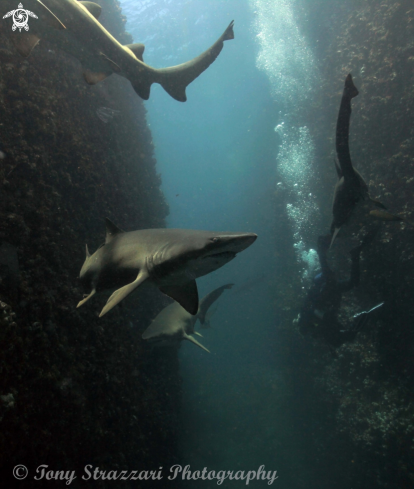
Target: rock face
(75, 389)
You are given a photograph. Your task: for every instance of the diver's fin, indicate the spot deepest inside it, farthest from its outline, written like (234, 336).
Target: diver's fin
(111, 230)
(138, 49)
(49, 17)
(24, 43)
(338, 167)
(86, 298)
(383, 215)
(350, 89)
(377, 203)
(121, 293)
(335, 234)
(186, 295)
(94, 77)
(93, 8)
(193, 340)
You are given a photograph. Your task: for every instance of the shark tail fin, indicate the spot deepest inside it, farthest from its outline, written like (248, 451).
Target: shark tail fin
(193, 340)
(175, 79)
(207, 301)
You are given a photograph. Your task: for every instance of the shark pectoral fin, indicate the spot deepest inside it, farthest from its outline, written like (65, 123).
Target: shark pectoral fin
(335, 234)
(198, 334)
(121, 293)
(24, 43)
(186, 295)
(385, 216)
(86, 298)
(49, 17)
(193, 340)
(92, 77)
(93, 8)
(138, 50)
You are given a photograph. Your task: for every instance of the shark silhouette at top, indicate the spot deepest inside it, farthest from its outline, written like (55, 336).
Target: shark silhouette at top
(72, 26)
(352, 202)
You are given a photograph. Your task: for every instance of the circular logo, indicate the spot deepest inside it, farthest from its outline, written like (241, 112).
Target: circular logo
(20, 472)
(20, 18)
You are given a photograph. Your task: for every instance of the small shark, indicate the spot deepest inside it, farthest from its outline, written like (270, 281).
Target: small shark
(174, 324)
(351, 197)
(73, 27)
(170, 259)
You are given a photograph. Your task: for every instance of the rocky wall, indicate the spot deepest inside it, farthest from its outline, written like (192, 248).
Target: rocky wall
(356, 404)
(75, 389)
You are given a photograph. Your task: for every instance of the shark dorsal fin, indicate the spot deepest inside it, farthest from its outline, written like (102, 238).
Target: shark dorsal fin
(87, 252)
(93, 8)
(186, 295)
(111, 230)
(138, 49)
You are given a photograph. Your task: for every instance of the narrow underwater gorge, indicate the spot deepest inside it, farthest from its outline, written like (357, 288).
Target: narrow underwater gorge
(357, 404)
(75, 389)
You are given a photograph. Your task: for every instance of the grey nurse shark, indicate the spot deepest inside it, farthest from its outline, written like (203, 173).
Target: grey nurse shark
(73, 27)
(170, 259)
(174, 324)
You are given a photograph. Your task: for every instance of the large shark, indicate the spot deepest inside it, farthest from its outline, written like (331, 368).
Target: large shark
(170, 259)
(351, 196)
(174, 324)
(73, 27)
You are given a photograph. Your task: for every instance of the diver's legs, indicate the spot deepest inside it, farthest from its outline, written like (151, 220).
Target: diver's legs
(322, 248)
(342, 128)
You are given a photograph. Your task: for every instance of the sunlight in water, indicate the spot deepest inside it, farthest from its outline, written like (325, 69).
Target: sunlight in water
(289, 64)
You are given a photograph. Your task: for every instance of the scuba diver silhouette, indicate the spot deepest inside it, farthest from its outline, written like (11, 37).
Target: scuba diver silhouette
(319, 314)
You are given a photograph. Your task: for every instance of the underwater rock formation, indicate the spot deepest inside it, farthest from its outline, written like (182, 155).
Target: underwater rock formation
(357, 405)
(75, 390)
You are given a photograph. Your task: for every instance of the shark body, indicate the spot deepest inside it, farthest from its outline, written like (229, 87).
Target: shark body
(170, 259)
(174, 324)
(351, 197)
(72, 26)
